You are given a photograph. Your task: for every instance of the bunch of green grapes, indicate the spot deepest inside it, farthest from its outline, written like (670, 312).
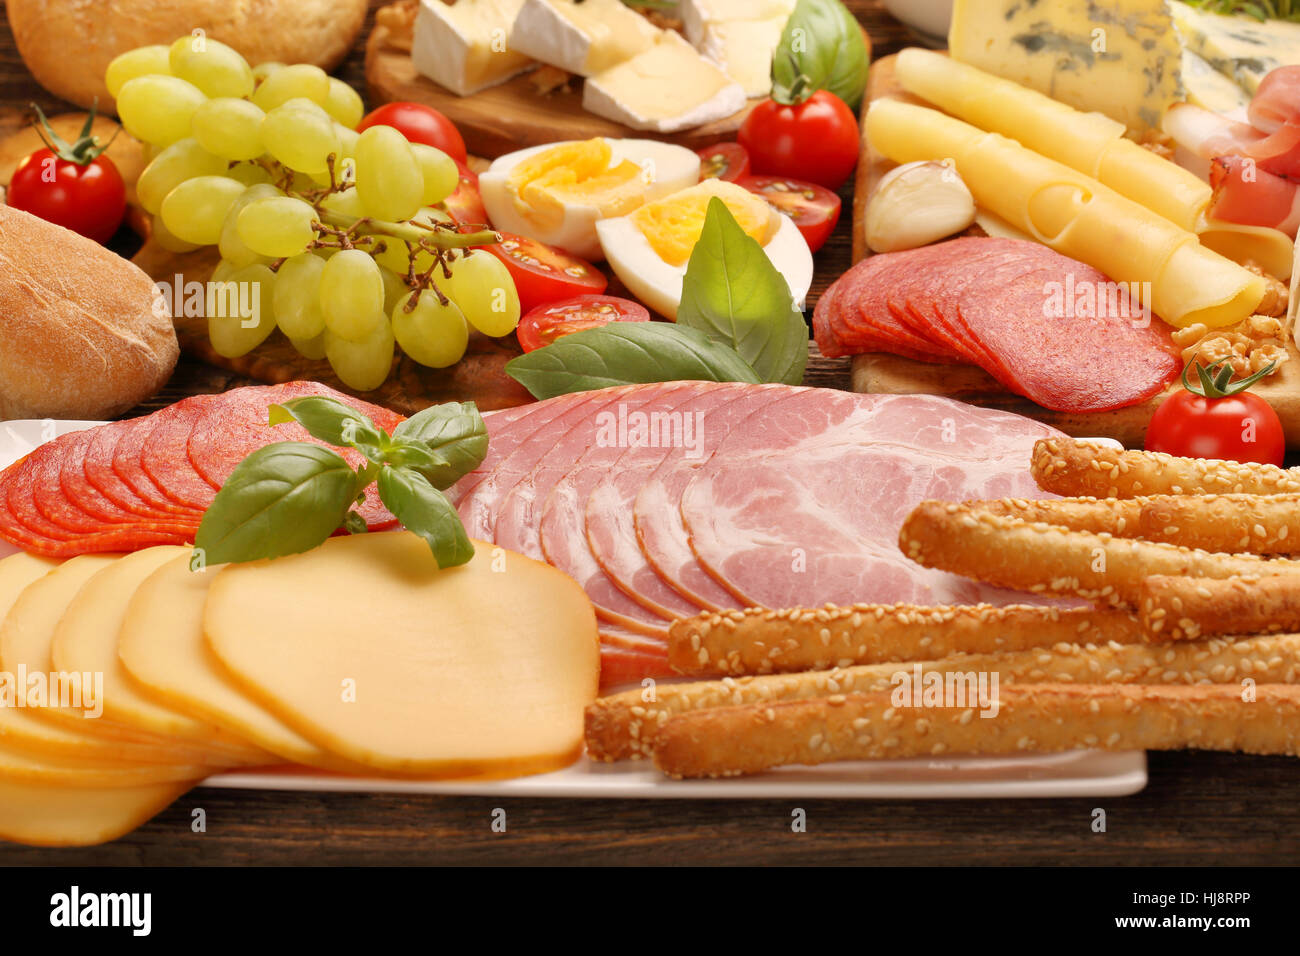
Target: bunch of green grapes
(342, 235)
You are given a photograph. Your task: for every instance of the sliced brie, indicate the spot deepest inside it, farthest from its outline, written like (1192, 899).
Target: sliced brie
(743, 48)
(698, 15)
(667, 88)
(464, 46)
(583, 38)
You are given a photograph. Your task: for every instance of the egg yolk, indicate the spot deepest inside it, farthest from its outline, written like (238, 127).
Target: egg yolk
(578, 173)
(672, 225)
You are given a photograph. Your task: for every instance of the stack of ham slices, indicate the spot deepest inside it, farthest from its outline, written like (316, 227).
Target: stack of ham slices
(671, 499)
(1045, 326)
(147, 481)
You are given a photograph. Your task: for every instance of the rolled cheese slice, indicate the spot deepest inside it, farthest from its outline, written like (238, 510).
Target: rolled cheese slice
(1178, 278)
(368, 649)
(1090, 143)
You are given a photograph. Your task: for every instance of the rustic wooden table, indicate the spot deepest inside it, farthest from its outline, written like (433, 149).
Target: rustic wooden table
(1198, 808)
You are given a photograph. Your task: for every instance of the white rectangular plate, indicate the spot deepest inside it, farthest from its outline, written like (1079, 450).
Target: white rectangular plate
(1076, 774)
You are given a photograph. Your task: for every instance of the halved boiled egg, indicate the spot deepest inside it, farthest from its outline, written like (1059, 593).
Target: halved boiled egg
(557, 193)
(650, 249)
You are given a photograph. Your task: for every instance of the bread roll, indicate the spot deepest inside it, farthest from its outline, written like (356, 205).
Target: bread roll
(67, 44)
(83, 332)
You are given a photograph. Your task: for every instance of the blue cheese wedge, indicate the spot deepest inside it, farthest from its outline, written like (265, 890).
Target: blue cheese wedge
(464, 46)
(667, 88)
(1239, 47)
(584, 37)
(1209, 89)
(1122, 58)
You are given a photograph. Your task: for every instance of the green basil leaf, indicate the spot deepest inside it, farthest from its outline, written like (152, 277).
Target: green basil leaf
(424, 509)
(823, 42)
(453, 433)
(626, 353)
(281, 499)
(732, 292)
(330, 421)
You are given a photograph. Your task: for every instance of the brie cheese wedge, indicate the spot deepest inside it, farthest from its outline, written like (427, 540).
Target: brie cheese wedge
(464, 46)
(667, 88)
(582, 38)
(743, 48)
(699, 15)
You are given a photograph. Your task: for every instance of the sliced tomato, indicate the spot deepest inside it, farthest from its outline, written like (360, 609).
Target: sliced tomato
(465, 205)
(726, 161)
(544, 273)
(814, 209)
(546, 323)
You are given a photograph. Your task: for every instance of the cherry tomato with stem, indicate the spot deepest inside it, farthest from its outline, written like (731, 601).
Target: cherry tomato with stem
(814, 137)
(546, 323)
(544, 273)
(1218, 419)
(419, 124)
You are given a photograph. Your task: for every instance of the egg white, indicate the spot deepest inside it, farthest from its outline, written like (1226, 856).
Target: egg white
(668, 169)
(658, 284)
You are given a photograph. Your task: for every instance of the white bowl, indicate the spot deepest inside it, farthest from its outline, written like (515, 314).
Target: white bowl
(929, 19)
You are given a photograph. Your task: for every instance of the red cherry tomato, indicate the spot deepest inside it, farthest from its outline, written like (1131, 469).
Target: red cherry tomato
(814, 210)
(546, 323)
(89, 199)
(1241, 427)
(816, 140)
(726, 161)
(419, 124)
(544, 273)
(465, 205)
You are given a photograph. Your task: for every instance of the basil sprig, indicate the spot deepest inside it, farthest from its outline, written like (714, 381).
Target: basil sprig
(289, 497)
(821, 48)
(733, 294)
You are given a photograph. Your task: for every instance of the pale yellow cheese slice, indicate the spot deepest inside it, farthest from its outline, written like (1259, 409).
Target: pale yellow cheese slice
(369, 649)
(53, 815)
(85, 640)
(1075, 215)
(161, 645)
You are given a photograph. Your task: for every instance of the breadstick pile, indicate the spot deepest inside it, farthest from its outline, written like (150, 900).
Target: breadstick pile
(1187, 643)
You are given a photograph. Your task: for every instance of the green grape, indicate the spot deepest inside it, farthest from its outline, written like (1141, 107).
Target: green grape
(299, 138)
(313, 349)
(352, 294)
(483, 288)
(297, 298)
(344, 103)
(158, 109)
(233, 248)
(142, 61)
(347, 142)
(362, 365)
(222, 272)
(263, 70)
(250, 174)
(395, 289)
(388, 177)
(433, 334)
(160, 234)
(346, 203)
(210, 65)
(182, 160)
(441, 177)
(241, 313)
(282, 85)
(229, 128)
(397, 256)
(277, 227)
(196, 209)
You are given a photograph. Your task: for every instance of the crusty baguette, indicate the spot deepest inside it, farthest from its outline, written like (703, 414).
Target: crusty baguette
(83, 332)
(1180, 609)
(1072, 468)
(1048, 559)
(1238, 523)
(627, 724)
(1044, 718)
(762, 641)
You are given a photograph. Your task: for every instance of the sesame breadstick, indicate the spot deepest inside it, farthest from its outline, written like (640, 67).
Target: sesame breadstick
(1180, 609)
(762, 641)
(1045, 718)
(1046, 559)
(627, 724)
(1072, 468)
(1241, 523)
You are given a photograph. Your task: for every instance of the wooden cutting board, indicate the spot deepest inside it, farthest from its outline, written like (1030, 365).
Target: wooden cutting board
(515, 114)
(893, 374)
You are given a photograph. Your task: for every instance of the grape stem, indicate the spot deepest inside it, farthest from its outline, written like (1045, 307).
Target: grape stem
(442, 238)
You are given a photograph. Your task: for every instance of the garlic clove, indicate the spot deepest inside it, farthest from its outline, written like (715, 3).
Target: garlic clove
(916, 204)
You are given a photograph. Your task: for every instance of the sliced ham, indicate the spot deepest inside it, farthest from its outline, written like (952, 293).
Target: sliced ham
(1251, 196)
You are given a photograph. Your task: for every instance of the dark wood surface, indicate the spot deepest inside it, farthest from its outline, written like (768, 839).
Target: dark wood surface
(1198, 809)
